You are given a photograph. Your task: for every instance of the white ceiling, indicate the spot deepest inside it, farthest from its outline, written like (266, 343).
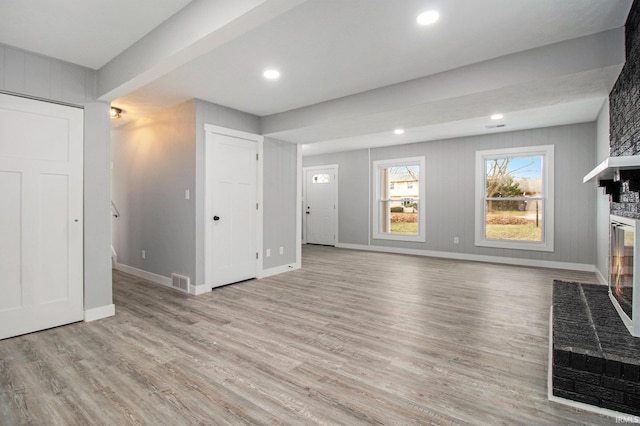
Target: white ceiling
(84, 32)
(347, 66)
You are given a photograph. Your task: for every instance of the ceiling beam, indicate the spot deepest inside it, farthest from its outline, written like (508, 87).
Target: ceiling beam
(195, 30)
(572, 57)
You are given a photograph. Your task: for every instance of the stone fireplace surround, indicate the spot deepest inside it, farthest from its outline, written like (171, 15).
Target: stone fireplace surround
(595, 359)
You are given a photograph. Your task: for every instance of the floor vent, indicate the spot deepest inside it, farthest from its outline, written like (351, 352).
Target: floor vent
(180, 282)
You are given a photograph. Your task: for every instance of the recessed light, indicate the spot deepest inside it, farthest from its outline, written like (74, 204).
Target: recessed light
(497, 116)
(428, 17)
(271, 74)
(398, 131)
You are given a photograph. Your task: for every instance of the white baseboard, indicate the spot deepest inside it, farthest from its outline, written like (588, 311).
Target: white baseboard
(199, 289)
(99, 313)
(279, 270)
(601, 277)
(149, 276)
(475, 257)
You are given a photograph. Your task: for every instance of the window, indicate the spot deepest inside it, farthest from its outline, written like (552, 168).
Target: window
(321, 178)
(409, 185)
(514, 198)
(401, 215)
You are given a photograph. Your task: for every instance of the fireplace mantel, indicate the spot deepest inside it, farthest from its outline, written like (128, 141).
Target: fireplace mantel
(608, 168)
(613, 171)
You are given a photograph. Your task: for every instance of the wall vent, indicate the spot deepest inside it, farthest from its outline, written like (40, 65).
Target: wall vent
(180, 282)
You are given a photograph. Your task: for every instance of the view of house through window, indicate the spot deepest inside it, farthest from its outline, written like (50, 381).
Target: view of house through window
(399, 204)
(399, 190)
(515, 198)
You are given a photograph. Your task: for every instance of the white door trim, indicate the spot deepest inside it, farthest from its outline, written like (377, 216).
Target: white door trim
(210, 128)
(333, 167)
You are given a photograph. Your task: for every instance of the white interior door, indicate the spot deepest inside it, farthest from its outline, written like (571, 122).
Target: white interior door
(232, 209)
(320, 205)
(41, 217)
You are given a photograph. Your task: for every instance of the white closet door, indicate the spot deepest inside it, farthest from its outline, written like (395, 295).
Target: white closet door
(232, 210)
(41, 215)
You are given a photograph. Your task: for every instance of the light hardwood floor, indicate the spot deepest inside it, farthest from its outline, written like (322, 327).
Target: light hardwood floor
(352, 338)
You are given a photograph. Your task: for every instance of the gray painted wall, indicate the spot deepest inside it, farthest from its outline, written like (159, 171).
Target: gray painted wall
(602, 199)
(450, 175)
(37, 76)
(157, 158)
(153, 165)
(280, 186)
(353, 193)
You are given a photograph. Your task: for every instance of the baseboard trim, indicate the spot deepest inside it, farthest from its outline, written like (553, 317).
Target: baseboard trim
(601, 277)
(149, 276)
(94, 314)
(199, 289)
(583, 267)
(279, 270)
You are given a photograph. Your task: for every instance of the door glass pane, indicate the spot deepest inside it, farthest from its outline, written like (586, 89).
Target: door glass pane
(519, 220)
(321, 178)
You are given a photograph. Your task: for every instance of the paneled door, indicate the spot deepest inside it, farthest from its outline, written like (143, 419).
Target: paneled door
(320, 209)
(232, 204)
(41, 215)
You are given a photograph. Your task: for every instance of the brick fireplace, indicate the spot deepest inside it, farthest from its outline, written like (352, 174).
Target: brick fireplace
(594, 359)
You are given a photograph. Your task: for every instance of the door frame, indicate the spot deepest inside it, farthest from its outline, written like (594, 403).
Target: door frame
(259, 140)
(333, 167)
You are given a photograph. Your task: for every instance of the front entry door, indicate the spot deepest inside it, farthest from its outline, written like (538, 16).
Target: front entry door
(232, 209)
(320, 205)
(41, 219)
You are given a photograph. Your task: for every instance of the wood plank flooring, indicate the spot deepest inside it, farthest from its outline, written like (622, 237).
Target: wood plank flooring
(352, 338)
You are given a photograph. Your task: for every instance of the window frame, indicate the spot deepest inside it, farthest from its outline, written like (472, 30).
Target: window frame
(378, 165)
(547, 153)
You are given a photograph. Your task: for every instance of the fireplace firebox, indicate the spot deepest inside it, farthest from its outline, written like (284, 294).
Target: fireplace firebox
(624, 271)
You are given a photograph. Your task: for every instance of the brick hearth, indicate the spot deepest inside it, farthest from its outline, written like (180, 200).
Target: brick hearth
(596, 361)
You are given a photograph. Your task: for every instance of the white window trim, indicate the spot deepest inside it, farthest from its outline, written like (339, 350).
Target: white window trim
(377, 165)
(547, 184)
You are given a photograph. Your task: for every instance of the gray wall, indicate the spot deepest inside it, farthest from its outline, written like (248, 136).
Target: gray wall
(602, 199)
(46, 78)
(153, 165)
(159, 157)
(450, 177)
(280, 186)
(353, 193)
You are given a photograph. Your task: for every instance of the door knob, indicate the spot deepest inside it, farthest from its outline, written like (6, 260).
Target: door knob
(216, 218)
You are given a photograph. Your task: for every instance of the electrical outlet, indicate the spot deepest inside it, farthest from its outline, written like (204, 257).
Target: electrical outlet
(456, 240)
(281, 250)
(187, 194)
(268, 252)
(144, 254)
